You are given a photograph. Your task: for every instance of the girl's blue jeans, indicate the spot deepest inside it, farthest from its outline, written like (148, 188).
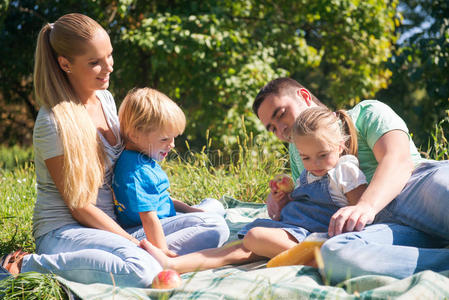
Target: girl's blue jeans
(90, 255)
(414, 242)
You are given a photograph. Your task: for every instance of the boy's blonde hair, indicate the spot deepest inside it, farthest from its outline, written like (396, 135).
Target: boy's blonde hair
(323, 122)
(146, 110)
(84, 157)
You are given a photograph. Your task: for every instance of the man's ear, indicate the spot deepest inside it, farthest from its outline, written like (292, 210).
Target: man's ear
(305, 94)
(341, 147)
(64, 64)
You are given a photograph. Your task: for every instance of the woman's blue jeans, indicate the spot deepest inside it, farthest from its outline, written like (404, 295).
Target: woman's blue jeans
(90, 255)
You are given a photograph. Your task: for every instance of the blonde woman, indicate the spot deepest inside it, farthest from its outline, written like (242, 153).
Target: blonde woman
(77, 141)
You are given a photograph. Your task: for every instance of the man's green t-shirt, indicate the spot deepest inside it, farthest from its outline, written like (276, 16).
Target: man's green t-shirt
(372, 120)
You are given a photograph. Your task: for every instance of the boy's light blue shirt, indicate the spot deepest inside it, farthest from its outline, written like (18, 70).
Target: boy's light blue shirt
(140, 185)
(372, 120)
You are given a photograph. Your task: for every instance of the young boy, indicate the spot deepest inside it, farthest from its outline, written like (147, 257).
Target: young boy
(149, 123)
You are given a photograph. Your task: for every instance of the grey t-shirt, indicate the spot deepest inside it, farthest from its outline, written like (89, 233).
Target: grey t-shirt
(50, 211)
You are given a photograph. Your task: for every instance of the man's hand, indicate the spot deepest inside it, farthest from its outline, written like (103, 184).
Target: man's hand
(351, 218)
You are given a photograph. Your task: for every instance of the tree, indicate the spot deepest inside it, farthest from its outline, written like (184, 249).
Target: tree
(212, 57)
(20, 23)
(420, 64)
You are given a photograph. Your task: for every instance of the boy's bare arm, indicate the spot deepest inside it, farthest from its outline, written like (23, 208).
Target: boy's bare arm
(153, 229)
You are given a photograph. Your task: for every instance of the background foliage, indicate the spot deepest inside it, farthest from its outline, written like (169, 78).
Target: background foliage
(211, 56)
(419, 88)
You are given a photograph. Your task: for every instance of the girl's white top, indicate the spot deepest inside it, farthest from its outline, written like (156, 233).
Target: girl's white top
(345, 177)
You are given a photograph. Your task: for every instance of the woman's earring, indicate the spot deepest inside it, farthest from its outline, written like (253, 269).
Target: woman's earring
(68, 71)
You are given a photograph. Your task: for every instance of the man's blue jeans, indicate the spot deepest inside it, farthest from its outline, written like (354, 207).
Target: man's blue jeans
(417, 224)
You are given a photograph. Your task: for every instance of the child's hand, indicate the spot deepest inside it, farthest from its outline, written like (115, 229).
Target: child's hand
(273, 208)
(275, 203)
(279, 196)
(281, 186)
(184, 207)
(283, 183)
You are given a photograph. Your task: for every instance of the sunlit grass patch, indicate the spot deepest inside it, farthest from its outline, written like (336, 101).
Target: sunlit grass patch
(17, 196)
(242, 172)
(31, 286)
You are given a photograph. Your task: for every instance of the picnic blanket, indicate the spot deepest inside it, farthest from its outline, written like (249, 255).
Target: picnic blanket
(254, 281)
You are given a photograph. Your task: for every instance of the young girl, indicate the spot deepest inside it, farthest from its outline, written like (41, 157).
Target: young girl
(327, 144)
(149, 122)
(332, 179)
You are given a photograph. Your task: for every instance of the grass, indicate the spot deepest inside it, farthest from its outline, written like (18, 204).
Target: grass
(15, 156)
(438, 147)
(32, 286)
(241, 172)
(17, 194)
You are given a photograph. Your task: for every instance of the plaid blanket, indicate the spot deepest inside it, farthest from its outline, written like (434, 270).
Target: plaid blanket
(254, 281)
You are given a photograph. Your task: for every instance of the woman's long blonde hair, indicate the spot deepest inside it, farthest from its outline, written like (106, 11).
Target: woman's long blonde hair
(320, 120)
(84, 157)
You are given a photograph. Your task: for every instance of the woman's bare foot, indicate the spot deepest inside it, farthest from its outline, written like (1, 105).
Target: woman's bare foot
(13, 262)
(164, 260)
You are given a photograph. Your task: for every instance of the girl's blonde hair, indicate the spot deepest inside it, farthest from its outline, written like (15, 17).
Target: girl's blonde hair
(146, 110)
(84, 157)
(320, 120)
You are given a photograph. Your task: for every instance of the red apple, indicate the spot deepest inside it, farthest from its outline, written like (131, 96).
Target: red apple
(166, 279)
(283, 183)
